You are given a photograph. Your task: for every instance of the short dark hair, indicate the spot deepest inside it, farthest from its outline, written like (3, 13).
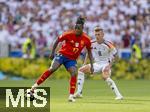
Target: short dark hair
(80, 20)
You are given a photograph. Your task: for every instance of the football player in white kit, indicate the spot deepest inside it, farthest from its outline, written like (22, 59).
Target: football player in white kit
(103, 54)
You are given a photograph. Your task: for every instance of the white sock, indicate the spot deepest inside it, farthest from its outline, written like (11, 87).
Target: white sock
(113, 86)
(71, 95)
(80, 82)
(34, 86)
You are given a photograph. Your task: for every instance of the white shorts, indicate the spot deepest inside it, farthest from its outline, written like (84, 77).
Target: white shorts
(99, 67)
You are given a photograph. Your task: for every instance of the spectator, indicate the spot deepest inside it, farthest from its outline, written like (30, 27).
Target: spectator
(136, 52)
(29, 50)
(126, 39)
(41, 45)
(54, 16)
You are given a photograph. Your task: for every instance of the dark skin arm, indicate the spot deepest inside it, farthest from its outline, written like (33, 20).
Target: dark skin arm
(91, 60)
(85, 60)
(53, 49)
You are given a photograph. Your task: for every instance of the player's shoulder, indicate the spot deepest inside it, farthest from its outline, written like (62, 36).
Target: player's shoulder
(68, 32)
(86, 36)
(109, 44)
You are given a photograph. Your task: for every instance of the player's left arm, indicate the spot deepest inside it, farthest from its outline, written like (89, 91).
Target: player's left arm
(88, 47)
(91, 60)
(113, 55)
(112, 58)
(85, 59)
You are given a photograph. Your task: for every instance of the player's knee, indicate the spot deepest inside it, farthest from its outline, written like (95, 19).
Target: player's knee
(105, 75)
(73, 71)
(81, 69)
(72, 74)
(84, 69)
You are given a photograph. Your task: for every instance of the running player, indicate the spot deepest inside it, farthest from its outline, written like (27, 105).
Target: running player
(103, 53)
(74, 41)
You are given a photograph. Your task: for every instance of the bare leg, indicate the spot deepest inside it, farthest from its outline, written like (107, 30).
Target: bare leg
(54, 66)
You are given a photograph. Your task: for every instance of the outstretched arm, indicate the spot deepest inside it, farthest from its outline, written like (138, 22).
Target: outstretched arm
(91, 59)
(54, 48)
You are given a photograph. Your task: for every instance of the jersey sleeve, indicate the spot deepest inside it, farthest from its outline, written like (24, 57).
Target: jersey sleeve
(113, 50)
(62, 37)
(113, 53)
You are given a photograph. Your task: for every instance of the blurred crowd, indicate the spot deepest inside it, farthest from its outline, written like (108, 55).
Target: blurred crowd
(124, 21)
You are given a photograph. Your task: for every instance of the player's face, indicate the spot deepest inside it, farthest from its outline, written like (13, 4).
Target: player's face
(99, 35)
(78, 29)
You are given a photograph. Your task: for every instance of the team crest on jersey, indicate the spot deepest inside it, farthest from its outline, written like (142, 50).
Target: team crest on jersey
(77, 44)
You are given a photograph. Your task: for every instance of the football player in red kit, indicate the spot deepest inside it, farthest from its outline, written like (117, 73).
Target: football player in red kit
(74, 41)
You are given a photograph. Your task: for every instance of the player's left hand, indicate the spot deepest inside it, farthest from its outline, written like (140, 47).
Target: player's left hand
(92, 69)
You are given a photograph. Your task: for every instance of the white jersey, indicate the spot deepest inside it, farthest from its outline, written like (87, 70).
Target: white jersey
(104, 52)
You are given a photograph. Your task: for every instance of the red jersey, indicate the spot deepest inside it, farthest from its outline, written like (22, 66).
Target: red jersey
(73, 45)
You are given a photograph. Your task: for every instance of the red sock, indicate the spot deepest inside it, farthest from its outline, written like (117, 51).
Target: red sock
(44, 76)
(73, 84)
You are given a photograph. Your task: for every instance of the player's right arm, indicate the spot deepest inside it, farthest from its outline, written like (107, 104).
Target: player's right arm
(59, 39)
(89, 52)
(54, 48)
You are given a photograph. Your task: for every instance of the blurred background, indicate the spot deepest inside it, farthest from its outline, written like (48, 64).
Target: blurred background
(28, 29)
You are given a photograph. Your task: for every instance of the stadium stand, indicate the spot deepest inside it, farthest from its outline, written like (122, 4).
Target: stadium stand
(124, 21)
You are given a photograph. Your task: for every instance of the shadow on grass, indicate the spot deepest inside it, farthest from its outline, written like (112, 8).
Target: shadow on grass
(148, 100)
(124, 101)
(117, 102)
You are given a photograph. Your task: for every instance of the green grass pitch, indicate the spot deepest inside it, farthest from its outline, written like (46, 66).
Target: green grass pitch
(97, 96)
